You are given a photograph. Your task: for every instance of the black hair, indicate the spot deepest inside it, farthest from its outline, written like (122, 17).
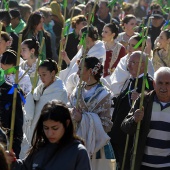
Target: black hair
(32, 23)
(5, 16)
(32, 43)
(113, 28)
(50, 64)
(137, 38)
(91, 62)
(9, 57)
(57, 111)
(93, 32)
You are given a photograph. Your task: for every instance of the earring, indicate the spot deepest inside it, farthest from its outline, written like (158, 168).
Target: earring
(32, 56)
(89, 78)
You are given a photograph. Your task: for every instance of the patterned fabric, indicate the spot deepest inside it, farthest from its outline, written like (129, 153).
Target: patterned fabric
(111, 57)
(32, 69)
(99, 103)
(24, 84)
(159, 60)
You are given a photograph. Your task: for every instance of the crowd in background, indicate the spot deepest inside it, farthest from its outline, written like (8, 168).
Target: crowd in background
(89, 103)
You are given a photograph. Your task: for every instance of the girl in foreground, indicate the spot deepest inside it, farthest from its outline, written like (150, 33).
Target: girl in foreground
(54, 144)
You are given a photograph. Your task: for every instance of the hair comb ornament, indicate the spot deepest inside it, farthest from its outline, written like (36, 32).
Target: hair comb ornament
(96, 68)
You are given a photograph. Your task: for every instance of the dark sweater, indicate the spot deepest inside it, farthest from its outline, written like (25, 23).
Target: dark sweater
(122, 108)
(72, 157)
(6, 113)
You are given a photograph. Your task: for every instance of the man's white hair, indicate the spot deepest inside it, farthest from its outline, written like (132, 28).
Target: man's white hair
(140, 54)
(161, 70)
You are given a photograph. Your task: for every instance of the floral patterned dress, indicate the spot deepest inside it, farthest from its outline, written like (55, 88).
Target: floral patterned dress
(95, 105)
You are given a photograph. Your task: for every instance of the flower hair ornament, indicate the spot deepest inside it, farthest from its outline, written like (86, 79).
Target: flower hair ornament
(96, 68)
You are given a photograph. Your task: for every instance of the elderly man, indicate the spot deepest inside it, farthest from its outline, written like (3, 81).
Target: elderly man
(153, 151)
(124, 102)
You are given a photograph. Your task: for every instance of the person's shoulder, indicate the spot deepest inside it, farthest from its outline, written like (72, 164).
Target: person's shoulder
(78, 144)
(5, 85)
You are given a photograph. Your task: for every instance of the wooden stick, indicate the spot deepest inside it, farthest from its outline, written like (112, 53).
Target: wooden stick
(84, 53)
(36, 71)
(136, 83)
(0, 29)
(61, 45)
(72, 12)
(141, 100)
(23, 75)
(15, 96)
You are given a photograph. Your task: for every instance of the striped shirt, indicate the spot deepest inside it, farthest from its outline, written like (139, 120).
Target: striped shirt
(157, 150)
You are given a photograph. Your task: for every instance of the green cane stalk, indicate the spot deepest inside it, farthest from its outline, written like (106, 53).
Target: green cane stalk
(142, 96)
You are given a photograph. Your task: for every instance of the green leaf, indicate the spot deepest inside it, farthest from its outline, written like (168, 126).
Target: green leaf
(112, 3)
(6, 4)
(65, 3)
(83, 38)
(11, 70)
(139, 42)
(2, 76)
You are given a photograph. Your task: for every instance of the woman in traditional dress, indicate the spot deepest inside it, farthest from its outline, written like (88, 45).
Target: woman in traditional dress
(95, 48)
(30, 52)
(161, 55)
(114, 50)
(128, 23)
(92, 109)
(51, 88)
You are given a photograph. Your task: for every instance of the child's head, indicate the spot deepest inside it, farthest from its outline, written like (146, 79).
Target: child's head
(9, 59)
(47, 71)
(30, 48)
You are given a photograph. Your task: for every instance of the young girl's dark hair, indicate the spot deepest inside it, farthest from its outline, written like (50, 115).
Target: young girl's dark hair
(113, 28)
(9, 57)
(51, 65)
(93, 32)
(32, 23)
(32, 43)
(91, 62)
(57, 111)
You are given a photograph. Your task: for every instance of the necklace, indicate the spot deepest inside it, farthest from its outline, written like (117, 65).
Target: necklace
(109, 47)
(91, 84)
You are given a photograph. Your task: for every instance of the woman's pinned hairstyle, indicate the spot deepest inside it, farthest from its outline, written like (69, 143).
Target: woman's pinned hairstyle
(92, 33)
(50, 64)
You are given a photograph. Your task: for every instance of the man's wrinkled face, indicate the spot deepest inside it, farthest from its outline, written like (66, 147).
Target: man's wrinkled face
(162, 87)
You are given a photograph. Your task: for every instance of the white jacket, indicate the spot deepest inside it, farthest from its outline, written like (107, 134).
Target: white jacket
(55, 91)
(98, 51)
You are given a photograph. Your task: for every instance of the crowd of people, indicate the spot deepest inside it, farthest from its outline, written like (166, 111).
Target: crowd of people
(79, 93)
